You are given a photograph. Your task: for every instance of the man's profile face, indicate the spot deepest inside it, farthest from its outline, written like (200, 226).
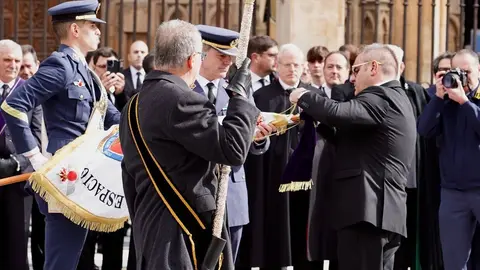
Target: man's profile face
(101, 66)
(29, 66)
(215, 65)
(360, 76)
(468, 64)
(290, 68)
(10, 63)
(89, 35)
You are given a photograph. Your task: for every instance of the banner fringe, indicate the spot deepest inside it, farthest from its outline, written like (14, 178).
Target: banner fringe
(296, 186)
(70, 213)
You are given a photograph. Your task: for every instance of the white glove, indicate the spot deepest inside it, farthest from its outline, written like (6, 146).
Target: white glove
(37, 161)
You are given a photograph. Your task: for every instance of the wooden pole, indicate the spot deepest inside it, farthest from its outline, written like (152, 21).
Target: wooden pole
(14, 179)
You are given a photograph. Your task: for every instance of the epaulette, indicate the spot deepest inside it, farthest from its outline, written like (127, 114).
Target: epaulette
(59, 54)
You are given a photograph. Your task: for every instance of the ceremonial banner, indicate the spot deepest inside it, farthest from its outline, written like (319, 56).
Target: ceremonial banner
(84, 180)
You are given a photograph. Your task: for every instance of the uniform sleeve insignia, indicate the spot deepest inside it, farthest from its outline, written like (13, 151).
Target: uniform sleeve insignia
(78, 83)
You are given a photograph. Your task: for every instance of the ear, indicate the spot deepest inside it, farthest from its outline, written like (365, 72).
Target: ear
(254, 57)
(75, 28)
(191, 61)
(375, 68)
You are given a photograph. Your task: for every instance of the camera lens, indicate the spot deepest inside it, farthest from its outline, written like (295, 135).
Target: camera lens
(449, 80)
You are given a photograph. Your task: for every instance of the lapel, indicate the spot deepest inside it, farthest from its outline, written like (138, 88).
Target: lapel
(222, 98)
(198, 89)
(128, 78)
(80, 67)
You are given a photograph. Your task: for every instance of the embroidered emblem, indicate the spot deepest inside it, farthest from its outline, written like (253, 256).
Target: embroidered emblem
(79, 83)
(68, 178)
(112, 148)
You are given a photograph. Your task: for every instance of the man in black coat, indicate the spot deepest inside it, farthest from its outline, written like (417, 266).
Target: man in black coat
(375, 145)
(172, 141)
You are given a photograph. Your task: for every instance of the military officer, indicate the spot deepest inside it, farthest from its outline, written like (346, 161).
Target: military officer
(67, 89)
(219, 47)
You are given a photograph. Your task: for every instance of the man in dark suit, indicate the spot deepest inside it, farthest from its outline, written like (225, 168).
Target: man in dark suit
(169, 176)
(12, 234)
(134, 73)
(211, 83)
(375, 144)
(275, 236)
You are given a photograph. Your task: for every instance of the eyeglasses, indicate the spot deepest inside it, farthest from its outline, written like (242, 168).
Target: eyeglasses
(202, 55)
(356, 68)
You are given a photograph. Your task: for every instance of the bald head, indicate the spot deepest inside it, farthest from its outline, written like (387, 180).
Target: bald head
(138, 51)
(376, 64)
(383, 55)
(399, 53)
(10, 60)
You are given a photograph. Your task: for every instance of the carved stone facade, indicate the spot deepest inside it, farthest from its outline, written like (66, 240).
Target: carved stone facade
(303, 22)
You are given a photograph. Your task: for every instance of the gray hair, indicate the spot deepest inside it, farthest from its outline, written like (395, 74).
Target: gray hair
(398, 52)
(175, 42)
(384, 55)
(11, 45)
(291, 49)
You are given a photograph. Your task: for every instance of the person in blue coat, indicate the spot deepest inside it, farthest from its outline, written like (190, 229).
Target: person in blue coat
(219, 48)
(67, 90)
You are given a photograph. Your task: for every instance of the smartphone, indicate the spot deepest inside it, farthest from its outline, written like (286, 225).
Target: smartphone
(114, 66)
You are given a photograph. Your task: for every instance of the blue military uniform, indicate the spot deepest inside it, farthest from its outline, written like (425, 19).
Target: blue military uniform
(67, 90)
(225, 41)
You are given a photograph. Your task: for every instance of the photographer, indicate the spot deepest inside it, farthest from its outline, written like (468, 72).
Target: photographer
(107, 66)
(453, 115)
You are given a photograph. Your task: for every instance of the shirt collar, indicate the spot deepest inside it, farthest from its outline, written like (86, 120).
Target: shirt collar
(286, 86)
(256, 78)
(10, 84)
(203, 82)
(134, 71)
(80, 56)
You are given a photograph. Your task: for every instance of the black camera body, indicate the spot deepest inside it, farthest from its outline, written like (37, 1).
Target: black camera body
(449, 79)
(114, 66)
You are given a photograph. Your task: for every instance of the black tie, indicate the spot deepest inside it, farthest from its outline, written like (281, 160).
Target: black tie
(139, 82)
(211, 96)
(289, 90)
(262, 81)
(6, 90)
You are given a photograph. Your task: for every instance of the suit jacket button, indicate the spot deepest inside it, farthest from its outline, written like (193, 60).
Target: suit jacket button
(81, 96)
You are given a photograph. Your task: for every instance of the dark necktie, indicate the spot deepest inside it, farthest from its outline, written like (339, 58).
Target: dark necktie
(289, 90)
(262, 81)
(6, 90)
(211, 96)
(139, 82)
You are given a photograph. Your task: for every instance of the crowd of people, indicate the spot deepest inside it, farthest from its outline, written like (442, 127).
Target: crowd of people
(379, 174)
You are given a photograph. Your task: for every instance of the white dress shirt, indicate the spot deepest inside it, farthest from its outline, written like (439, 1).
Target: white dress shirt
(327, 90)
(256, 84)
(286, 86)
(203, 83)
(134, 72)
(11, 84)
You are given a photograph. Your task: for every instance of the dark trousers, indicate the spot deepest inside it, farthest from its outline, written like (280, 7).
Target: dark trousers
(37, 238)
(63, 239)
(12, 232)
(236, 237)
(112, 250)
(405, 255)
(365, 247)
(458, 216)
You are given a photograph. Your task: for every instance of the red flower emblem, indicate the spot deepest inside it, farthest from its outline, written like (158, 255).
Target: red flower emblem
(69, 175)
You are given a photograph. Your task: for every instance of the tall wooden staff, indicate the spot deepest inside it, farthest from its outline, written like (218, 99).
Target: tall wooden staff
(213, 255)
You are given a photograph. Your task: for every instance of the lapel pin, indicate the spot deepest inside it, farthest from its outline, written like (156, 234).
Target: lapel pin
(78, 83)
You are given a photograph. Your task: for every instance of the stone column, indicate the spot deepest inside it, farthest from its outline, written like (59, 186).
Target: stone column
(309, 23)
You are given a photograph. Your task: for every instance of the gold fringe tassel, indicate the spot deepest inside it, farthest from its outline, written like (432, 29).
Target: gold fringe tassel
(296, 186)
(95, 223)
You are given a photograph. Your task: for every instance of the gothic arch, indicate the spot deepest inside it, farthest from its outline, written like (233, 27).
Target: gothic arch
(182, 10)
(453, 34)
(369, 28)
(384, 30)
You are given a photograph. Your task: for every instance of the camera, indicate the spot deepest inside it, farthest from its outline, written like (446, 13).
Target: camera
(114, 66)
(449, 80)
